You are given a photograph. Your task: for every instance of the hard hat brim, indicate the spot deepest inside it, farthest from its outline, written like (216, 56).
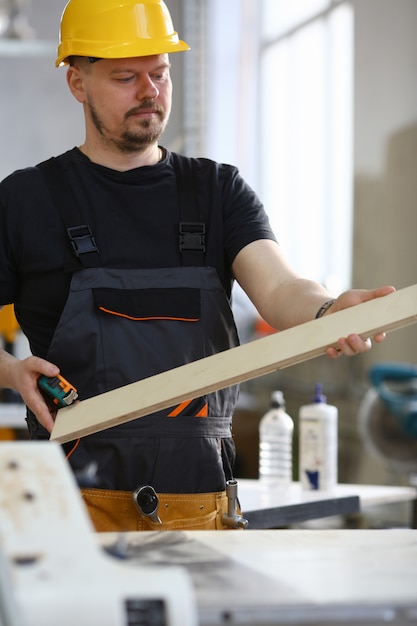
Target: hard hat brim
(122, 50)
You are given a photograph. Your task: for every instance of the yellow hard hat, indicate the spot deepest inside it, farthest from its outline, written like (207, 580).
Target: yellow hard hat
(116, 29)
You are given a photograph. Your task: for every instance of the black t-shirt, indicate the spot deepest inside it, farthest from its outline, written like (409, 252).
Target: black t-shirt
(134, 218)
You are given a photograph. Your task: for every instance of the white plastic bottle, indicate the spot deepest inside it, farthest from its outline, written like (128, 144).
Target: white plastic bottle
(318, 444)
(275, 444)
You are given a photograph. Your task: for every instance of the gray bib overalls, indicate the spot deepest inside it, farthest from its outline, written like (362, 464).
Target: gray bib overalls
(122, 325)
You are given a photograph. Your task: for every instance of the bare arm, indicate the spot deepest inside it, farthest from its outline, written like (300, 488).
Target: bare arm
(22, 375)
(284, 299)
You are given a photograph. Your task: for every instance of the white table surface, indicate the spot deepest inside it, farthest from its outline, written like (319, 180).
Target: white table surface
(292, 576)
(253, 496)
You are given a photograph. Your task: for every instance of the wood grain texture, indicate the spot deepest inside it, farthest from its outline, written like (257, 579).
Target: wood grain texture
(237, 365)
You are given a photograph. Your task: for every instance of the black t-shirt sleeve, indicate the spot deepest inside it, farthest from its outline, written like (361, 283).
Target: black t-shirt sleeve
(8, 276)
(32, 241)
(245, 219)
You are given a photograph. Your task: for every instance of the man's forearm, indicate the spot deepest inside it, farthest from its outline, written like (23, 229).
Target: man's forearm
(7, 361)
(295, 302)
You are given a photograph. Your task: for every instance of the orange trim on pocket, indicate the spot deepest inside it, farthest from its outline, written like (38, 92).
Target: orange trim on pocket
(203, 412)
(153, 317)
(179, 408)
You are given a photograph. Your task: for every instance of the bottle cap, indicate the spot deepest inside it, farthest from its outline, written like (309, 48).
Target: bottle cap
(318, 395)
(277, 399)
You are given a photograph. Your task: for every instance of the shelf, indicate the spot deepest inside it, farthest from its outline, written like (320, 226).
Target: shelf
(27, 48)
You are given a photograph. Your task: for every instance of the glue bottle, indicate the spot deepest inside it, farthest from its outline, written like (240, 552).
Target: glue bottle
(275, 444)
(318, 443)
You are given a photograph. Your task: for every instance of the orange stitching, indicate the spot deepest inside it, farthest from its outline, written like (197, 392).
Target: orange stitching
(73, 449)
(95, 493)
(151, 317)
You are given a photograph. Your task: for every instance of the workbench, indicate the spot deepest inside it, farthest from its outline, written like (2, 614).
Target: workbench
(200, 578)
(275, 508)
(283, 577)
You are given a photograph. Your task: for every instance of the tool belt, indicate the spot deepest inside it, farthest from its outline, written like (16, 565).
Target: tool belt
(116, 511)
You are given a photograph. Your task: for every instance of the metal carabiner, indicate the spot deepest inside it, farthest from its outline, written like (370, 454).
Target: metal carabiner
(147, 502)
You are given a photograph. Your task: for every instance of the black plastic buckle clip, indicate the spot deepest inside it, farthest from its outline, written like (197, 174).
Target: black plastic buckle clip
(82, 240)
(192, 236)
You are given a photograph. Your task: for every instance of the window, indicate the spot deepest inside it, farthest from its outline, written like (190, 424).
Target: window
(305, 113)
(279, 105)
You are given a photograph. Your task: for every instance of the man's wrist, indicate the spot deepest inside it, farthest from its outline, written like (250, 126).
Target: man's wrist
(324, 307)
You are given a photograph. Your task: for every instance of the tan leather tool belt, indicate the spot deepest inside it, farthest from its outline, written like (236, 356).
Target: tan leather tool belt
(115, 511)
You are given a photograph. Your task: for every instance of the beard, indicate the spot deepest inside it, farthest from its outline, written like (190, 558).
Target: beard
(137, 139)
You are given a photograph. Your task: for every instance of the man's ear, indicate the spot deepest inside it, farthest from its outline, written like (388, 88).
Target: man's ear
(75, 80)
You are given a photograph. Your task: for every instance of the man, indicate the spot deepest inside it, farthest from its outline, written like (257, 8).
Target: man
(120, 257)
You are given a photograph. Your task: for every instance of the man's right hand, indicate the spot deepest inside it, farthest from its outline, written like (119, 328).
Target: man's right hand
(22, 375)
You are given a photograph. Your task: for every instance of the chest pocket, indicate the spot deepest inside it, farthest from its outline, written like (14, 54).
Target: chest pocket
(141, 305)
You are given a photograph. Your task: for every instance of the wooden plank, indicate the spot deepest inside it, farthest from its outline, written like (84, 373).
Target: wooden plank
(236, 365)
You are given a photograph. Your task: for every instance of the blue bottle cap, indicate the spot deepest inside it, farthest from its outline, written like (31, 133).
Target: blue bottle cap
(318, 395)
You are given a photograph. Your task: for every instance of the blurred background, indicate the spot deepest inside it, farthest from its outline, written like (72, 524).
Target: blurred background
(316, 102)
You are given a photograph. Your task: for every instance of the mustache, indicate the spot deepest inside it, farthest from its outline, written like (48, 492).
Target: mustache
(146, 105)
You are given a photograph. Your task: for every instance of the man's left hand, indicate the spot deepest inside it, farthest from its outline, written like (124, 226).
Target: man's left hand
(354, 344)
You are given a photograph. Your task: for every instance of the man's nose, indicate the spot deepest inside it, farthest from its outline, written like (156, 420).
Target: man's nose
(147, 89)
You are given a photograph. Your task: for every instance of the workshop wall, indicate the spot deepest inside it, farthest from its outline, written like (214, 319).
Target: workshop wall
(385, 223)
(385, 184)
(385, 217)
(385, 155)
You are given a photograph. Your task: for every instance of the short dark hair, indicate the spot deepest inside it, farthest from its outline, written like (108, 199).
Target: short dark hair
(72, 60)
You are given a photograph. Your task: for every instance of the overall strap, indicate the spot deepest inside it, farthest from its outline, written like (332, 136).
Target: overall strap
(79, 234)
(192, 228)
